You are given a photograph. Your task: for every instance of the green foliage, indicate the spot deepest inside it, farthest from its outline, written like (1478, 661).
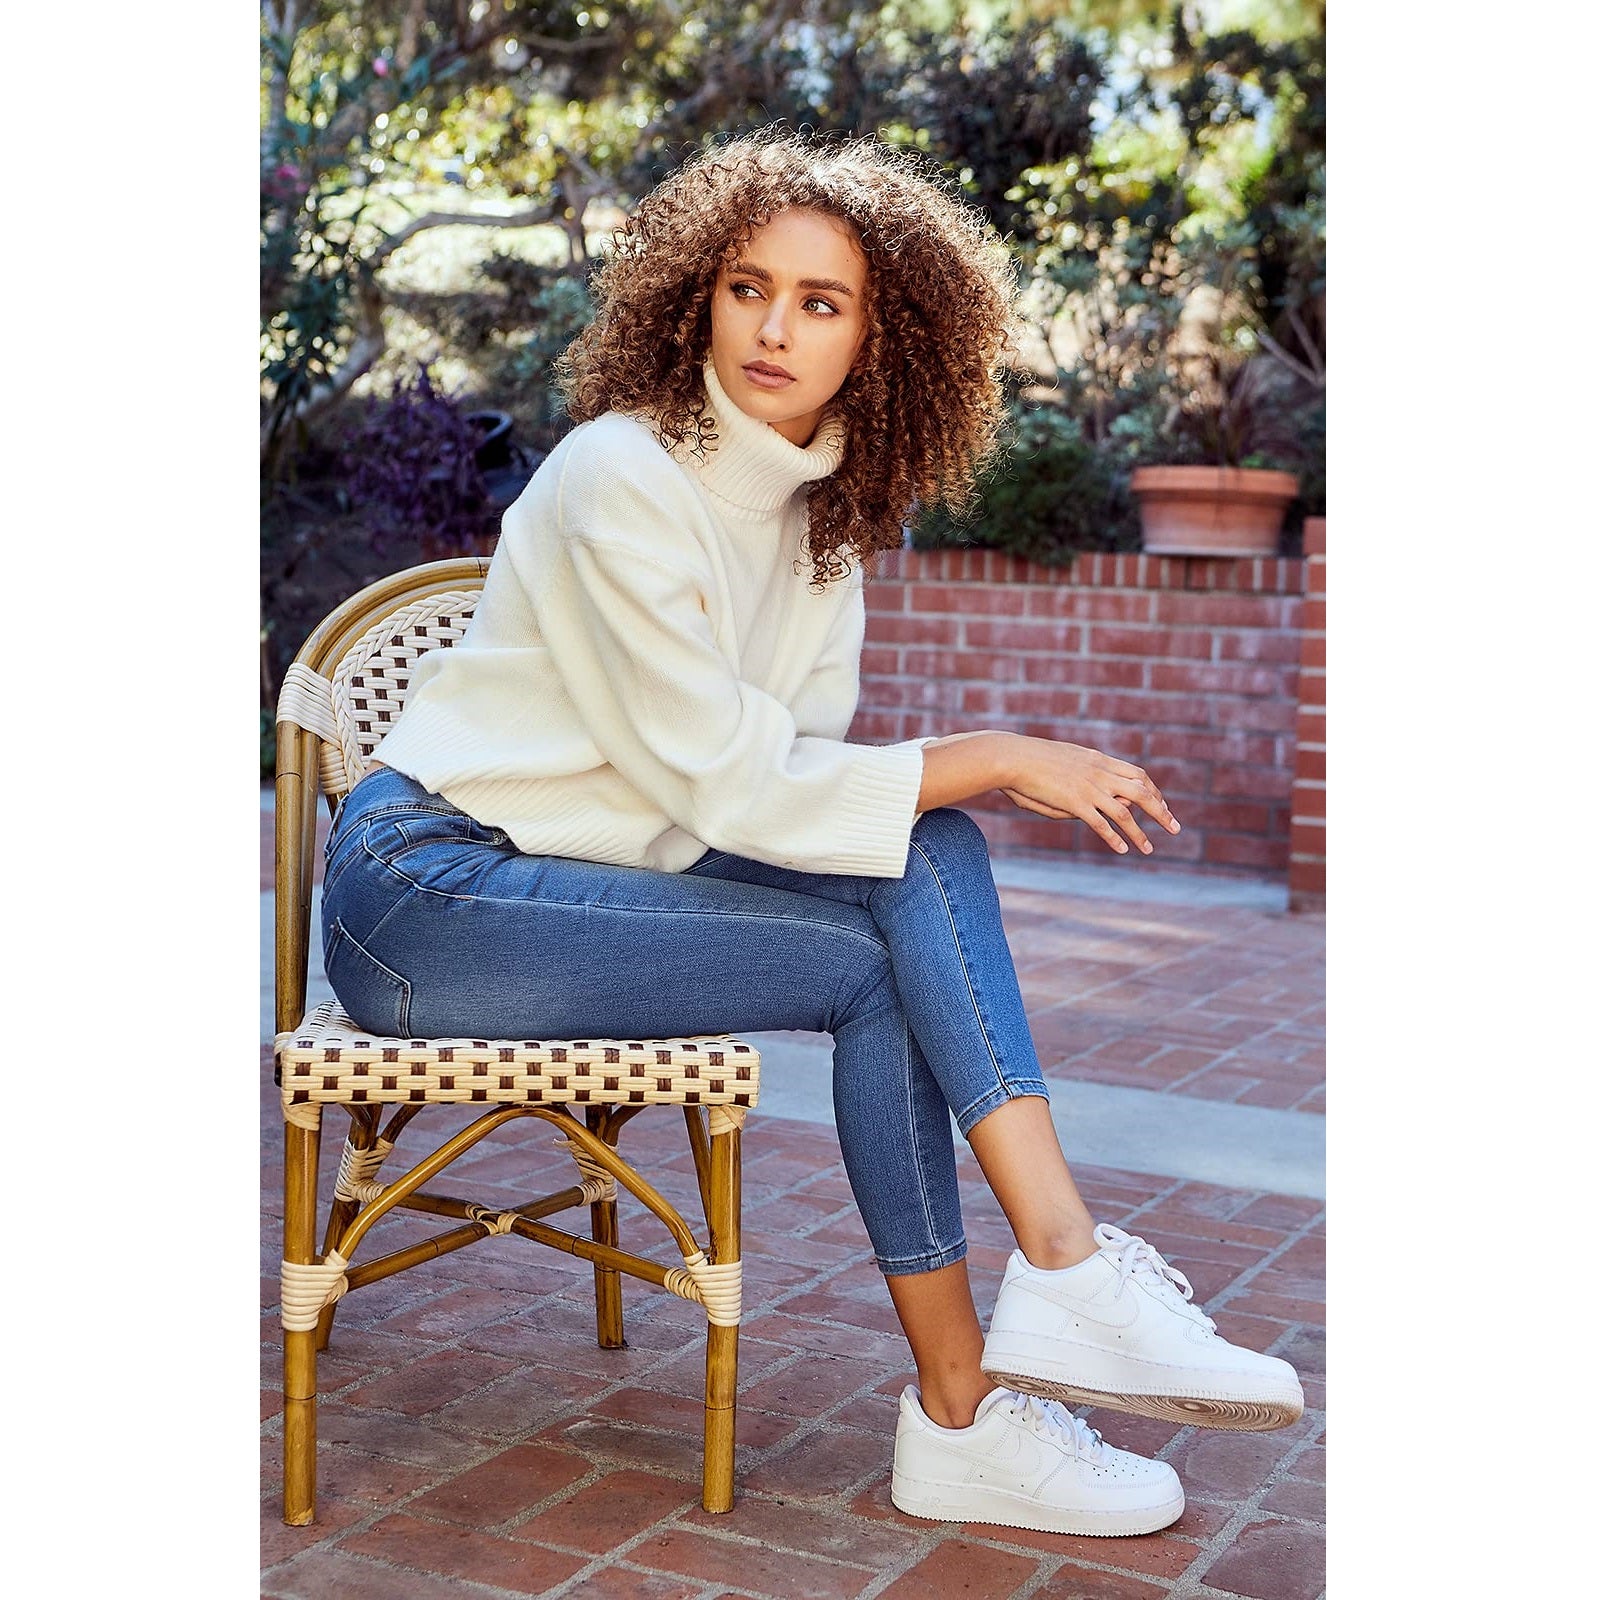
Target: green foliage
(1050, 494)
(1130, 161)
(553, 308)
(1009, 110)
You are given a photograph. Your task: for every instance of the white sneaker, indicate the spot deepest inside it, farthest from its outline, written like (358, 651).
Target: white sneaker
(1027, 1463)
(1118, 1330)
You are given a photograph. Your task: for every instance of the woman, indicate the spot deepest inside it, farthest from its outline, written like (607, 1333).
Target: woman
(626, 793)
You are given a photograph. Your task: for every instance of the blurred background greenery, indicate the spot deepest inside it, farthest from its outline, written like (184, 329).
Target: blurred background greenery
(438, 176)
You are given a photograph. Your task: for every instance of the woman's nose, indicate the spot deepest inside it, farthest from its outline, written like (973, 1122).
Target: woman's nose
(774, 327)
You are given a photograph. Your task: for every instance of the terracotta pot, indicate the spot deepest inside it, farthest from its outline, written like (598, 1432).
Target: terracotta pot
(1212, 511)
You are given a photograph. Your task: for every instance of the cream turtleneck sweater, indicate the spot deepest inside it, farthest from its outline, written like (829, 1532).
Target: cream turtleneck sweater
(648, 675)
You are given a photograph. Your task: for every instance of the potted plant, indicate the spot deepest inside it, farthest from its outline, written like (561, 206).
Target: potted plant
(1217, 488)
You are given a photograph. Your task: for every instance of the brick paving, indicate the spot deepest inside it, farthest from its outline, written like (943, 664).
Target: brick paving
(475, 1440)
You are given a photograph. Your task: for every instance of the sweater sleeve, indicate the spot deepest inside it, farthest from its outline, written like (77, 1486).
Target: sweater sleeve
(825, 703)
(724, 760)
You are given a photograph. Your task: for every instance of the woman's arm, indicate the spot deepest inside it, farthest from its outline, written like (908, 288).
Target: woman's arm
(1046, 776)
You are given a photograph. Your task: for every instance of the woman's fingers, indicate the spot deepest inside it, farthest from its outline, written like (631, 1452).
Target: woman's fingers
(1135, 784)
(1027, 803)
(1105, 830)
(1102, 793)
(1123, 817)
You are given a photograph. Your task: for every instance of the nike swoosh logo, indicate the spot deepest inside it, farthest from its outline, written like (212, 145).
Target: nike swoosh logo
(1024, 1462)
(1121, 1311)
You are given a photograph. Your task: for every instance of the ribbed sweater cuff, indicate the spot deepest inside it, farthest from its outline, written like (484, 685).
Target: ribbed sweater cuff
(878, 805)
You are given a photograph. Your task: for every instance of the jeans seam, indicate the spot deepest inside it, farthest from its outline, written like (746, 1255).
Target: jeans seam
(403, 983)
(587, 905)
(905, 1266)
(342, 826)
(916, 1143)
(1015, 1089)
(961, 955)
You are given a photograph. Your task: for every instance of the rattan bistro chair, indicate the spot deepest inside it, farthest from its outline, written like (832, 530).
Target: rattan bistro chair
(343, 690)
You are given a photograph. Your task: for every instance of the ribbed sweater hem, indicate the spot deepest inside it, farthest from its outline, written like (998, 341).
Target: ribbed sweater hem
(877, 807)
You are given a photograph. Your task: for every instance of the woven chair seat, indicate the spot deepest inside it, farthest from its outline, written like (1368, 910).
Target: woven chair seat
(328, 1060)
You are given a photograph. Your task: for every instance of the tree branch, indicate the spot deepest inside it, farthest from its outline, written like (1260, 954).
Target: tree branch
(405, 51)
(1312, 374)
(283, 21)
(715, 89)
(539, 44)
(368, 345)
(444, 219)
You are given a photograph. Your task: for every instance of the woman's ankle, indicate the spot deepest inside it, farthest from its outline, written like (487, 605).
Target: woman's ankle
(954, 1406)
(1063, 1246)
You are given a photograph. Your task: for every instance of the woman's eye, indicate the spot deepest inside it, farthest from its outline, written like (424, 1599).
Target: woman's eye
(736, 289)
(827, 305)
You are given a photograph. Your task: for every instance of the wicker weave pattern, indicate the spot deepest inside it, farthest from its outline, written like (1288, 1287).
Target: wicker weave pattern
(352, 711)
(345, 697)
(328, 1060)
(358, 1170)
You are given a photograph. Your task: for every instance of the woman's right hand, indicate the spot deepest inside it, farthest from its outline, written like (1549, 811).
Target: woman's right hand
(1056, 779)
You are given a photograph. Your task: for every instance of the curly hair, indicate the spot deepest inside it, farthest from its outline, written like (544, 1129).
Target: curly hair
(924, 408)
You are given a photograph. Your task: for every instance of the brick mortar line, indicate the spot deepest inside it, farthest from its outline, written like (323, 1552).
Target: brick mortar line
(1272, 963)
(597, 1470)
(926, 1540)
(1189, 1585)
(1135, 1028)
(273, 1425)
(810, 1428)
(793, 1440)
(1231, 1053)
(1191, 1588)
(672, 1522)
(378, 1564)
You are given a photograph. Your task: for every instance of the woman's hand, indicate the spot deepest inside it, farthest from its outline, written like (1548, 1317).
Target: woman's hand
(1062, 780)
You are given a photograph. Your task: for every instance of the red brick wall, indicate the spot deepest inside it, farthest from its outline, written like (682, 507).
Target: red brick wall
(1309, 797)
(1187, 665)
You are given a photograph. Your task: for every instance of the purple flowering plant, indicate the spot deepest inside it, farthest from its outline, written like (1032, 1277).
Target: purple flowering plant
(410, 465)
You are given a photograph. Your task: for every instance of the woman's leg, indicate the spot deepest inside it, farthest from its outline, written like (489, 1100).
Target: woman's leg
(970, 1042)
(436, 927)
(958, 985)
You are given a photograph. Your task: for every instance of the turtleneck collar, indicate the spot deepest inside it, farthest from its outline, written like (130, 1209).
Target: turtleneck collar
(750, 464)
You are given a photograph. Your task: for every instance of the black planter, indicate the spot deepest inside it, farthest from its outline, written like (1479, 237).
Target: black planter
(505, 483)
(494, 445)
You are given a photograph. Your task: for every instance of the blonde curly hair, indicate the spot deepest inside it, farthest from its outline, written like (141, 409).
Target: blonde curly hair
(924, 408)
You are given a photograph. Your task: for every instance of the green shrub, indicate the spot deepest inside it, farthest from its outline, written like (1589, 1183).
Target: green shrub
(555, 308)
(1050, 494)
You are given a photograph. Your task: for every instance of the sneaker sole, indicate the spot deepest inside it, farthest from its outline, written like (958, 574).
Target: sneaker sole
(1201, 1411)
(961, 1503)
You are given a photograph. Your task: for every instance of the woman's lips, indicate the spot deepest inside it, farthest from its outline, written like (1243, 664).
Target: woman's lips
(767, 380)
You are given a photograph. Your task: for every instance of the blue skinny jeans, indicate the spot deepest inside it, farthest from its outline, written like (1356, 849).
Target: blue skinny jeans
(437, 926)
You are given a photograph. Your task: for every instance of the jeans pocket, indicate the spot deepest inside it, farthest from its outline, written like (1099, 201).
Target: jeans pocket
(392, 837)
(374, 996)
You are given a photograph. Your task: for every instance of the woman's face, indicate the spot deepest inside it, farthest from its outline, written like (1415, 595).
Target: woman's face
(787, 320)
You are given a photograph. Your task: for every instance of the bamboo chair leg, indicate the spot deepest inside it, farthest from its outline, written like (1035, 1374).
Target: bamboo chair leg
(603, 1228)
(301, 1149)
(363, 1135)
(722, 1344)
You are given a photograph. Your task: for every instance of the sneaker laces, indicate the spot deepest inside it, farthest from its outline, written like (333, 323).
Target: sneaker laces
(1134, 1257)
(1052, 1419)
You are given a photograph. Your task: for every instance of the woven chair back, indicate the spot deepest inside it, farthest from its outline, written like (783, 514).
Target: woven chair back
(340, 696)
(370, 675)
